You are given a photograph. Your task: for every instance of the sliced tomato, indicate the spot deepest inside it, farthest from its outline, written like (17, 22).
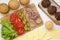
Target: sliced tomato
(14, 17)
(21, 31)
(18, 26)
(15, 27)
(17, 23)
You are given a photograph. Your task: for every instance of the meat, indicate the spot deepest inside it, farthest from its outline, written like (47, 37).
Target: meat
(46, 3)
(52, 10)
(57, 15)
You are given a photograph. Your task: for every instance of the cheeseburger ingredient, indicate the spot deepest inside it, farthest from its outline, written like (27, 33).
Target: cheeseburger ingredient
(24, 2)
(49, 25)
(52, 10)
(23, 17)
(46, 3)
(7, 30)
(38, 20)
(57, 15)
(17, 23)
(32, 16)
(4, 8)
(13, 4)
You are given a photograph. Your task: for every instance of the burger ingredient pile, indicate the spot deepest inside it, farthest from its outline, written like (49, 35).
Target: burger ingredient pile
(7, 30)
(15, 26)
(18, 22)
(24, 20)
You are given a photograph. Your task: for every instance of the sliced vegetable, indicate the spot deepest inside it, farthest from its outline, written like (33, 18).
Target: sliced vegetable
(17, 23)
(21, 31)
(7, 24)
(13, 17)
(7, 30)
(21, 14)
(26, 27)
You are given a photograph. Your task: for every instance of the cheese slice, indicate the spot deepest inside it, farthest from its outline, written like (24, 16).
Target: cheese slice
(51, 34)
(27, 36)
(39, 34)
(33, 35)
(54, 34)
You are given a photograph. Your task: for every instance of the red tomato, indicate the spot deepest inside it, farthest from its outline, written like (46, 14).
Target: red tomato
(17, 26)
(21, 25)
(14, 17)
(17, 23)
(21, 31)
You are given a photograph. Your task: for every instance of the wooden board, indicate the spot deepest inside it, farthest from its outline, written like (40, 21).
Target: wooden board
(33, 8)
(7, 17)
(45, 11)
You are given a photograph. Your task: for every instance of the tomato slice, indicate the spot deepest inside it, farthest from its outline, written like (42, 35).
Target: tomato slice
(17, 23)
(14, 17)
(21, 31)
(15, 27)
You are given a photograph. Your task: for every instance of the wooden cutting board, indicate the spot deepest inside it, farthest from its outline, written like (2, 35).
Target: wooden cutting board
(45, 11)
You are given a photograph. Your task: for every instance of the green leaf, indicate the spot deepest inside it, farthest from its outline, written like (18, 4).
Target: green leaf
(7, 24)
(7, 30)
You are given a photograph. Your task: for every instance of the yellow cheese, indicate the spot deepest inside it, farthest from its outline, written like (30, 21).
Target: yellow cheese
(54, 34)
(46, 36)
(27, 36)
(51, 34)
(39, 34)
(34, 35)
